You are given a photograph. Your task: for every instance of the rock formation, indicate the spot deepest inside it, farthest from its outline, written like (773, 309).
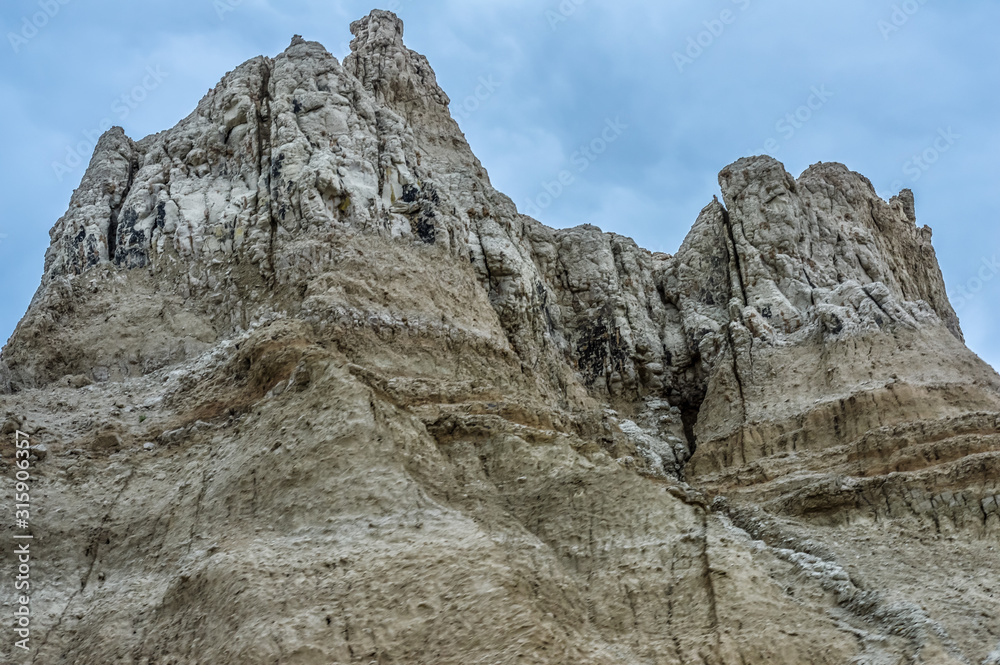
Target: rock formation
(311, 391)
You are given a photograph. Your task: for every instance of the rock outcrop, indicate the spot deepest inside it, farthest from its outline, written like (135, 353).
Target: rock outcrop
(310, 390)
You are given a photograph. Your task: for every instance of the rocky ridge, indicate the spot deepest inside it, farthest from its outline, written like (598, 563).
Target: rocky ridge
(312, 391)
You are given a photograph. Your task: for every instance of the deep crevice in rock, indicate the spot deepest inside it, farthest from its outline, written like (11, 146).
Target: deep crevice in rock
(735, 254)
(271, 169)
(116, 211)
(689, 399)
(689, 419)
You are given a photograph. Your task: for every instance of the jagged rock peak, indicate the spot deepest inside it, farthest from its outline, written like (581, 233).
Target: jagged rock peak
(381, 29)
(383, 63)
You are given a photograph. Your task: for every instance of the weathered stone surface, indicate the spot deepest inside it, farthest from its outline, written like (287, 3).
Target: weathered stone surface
(309, 390)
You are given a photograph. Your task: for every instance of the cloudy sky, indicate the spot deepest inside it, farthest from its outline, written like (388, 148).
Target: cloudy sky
(903, 91)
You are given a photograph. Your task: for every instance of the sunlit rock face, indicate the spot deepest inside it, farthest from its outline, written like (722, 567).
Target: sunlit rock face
(309, 390)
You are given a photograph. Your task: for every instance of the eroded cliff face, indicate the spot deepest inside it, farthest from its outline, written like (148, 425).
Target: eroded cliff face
(312, 391)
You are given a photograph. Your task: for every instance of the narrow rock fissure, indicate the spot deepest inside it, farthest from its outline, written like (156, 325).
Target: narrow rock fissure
(736, 373)
(736, 280)
(266, 165)
(689, 401)
(689, 420)
(116, 211)
(735, 254)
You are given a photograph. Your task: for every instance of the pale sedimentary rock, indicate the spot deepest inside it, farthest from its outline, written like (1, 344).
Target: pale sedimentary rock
(310, 390)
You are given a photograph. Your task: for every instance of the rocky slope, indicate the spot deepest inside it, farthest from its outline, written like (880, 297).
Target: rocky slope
(309, 390)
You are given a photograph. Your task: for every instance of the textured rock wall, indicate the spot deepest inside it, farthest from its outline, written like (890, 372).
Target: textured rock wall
(313, 391)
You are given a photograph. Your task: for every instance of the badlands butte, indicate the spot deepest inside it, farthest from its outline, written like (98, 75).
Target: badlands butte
(305, 389)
